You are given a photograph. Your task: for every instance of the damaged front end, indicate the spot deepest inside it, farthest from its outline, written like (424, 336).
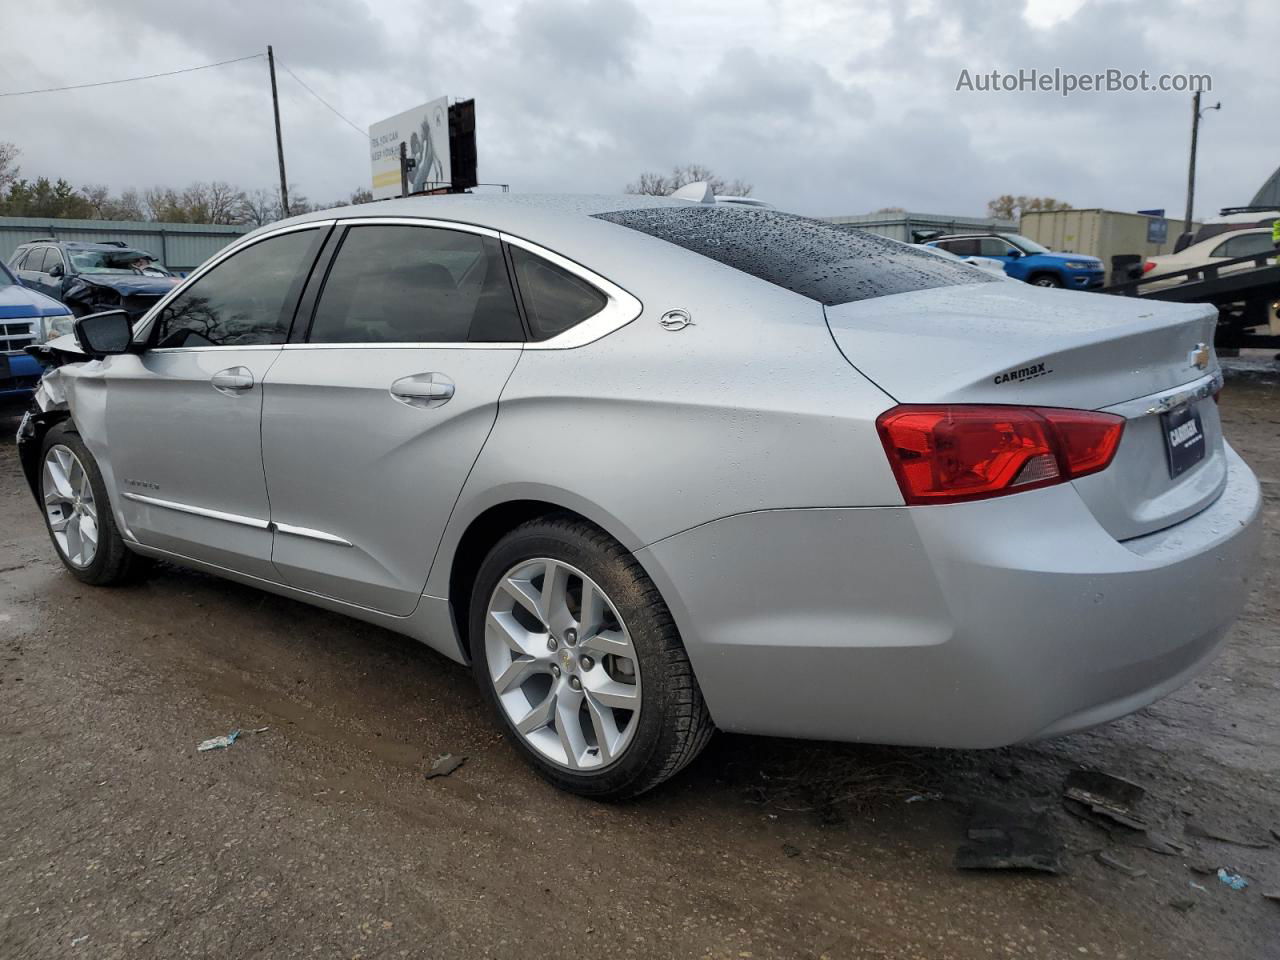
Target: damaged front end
(48, 407)
(134, 295)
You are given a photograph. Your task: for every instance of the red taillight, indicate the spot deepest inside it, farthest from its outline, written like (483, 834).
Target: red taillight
(1148, 266)
(945, 454)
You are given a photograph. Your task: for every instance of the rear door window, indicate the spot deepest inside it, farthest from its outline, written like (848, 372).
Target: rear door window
(406, 284)
(554, 299)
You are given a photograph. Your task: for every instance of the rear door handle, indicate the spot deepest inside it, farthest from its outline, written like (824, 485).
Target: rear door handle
(233, 380)
(423, 390)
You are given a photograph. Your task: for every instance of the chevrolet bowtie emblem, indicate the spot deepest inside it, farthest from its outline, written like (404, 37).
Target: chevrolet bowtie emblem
(1199, 357)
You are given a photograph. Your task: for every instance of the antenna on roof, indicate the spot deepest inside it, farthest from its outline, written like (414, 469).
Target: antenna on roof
(698, 192)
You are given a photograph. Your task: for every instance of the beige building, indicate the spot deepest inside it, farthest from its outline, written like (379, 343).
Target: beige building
(1099, 233)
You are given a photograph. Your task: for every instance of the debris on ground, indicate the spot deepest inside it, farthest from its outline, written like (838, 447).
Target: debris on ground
(1232, 879)
(1107, 860)
(1273, 896)
(76, 941)
(1106, 796)
(1182, 904)
(1008, 837)
(444, 765)
(790, 850)
(1197, 829)
(219, 743)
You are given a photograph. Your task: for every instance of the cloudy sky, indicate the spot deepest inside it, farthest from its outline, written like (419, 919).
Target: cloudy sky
(826, 106)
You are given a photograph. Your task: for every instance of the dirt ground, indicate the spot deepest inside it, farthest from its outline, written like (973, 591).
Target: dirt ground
(320, 836)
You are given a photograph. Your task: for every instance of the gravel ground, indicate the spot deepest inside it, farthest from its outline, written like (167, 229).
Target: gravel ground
(320, 836)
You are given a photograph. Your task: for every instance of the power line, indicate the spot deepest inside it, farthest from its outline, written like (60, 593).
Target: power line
(364, 134)
(149, 76)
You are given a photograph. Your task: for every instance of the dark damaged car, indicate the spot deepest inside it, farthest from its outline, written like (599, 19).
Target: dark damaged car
(91, 277)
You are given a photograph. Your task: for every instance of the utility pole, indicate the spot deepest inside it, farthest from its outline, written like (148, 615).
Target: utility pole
(1196, 113)
(275, 107)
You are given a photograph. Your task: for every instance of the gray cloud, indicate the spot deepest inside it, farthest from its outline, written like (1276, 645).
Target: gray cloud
(829, 107)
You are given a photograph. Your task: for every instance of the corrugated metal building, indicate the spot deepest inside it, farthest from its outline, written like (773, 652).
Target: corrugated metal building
(902, 226)
(1102, 233)
(179, 246)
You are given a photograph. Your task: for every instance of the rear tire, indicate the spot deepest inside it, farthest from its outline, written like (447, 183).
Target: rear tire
(554, 683)
(77, 512)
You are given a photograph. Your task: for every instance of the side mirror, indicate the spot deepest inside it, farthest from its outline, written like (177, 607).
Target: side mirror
(103, 334)
(1013, 252)
(56, 270)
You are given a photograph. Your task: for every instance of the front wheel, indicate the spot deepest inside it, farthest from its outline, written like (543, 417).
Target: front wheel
(577, 653)
(77, 512)
(1046, 280)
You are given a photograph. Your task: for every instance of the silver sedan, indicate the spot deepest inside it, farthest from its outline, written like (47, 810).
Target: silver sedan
(653, 467)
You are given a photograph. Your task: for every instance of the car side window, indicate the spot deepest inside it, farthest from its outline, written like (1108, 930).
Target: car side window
(406, 284)
(964, 248)
(554, 299)
(245, 300)
(1247, 245)
(994, 247)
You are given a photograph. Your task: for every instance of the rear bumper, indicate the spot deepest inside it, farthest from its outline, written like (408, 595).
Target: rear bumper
(968, 625)
(23, 373)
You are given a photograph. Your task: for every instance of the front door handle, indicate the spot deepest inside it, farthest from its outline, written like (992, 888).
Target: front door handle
(233, 381)
(423, 390)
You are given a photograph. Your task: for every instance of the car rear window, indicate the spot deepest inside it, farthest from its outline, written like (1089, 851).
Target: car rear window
(819, 260)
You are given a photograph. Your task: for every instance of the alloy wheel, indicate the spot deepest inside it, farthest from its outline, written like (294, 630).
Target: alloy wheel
(70, 505)
(562, 664)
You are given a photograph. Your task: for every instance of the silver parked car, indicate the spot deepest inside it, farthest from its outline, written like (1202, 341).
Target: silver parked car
(653, 467)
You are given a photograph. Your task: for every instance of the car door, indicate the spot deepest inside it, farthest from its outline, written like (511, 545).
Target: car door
(53, 273)
(183, 416)
(31, 271)
(371, 425)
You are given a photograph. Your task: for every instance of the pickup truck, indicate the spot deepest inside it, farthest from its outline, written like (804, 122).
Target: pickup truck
(27, 318)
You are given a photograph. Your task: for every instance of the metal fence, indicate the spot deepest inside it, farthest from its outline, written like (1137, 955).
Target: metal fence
(179, 246)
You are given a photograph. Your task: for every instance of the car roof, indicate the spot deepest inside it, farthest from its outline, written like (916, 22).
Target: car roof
(513, 213)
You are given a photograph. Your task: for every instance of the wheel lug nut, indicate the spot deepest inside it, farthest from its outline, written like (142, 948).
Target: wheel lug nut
(551, 643)
(555, 670)
(575, 683)
(587, 663)
(571, 636)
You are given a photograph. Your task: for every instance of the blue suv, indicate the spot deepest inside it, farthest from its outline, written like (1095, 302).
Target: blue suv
(1026, 260)
(26, 318)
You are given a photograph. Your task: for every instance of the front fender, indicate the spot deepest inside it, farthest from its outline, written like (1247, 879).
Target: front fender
(48, 409)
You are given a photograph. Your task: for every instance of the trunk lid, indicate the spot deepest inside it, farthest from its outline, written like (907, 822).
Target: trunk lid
(1015, 344)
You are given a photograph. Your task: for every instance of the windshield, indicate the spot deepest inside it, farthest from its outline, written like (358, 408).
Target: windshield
(117, 261)
(1026, 244)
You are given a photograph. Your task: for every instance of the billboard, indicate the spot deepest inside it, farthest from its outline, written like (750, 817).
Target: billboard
(424, 131)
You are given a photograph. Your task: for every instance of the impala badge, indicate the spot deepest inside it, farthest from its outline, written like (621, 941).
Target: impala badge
(674, 320)
(1199, 357)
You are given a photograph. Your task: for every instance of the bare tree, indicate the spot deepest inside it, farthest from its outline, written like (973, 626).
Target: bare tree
(9, 168)
(1008, 207)
(661, 185)
(262, 206)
